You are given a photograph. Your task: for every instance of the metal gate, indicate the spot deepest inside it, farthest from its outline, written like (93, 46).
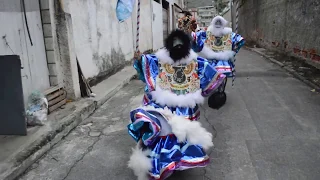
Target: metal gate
(22, 34)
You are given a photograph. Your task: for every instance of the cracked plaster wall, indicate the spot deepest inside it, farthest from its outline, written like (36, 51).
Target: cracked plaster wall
(102, 44)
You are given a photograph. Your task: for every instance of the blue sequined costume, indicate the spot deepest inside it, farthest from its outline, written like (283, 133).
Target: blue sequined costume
(166, 125)
(225, 66)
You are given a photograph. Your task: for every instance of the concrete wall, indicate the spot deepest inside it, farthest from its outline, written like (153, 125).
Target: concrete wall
(174, 12)
(289, 26)
(102, 44)
(99, 41)
(198, 3)
(15, 40)
(145, 38)
(64, 47)
(157, 25)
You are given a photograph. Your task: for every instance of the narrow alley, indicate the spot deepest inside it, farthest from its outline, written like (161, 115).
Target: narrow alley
(268, 129)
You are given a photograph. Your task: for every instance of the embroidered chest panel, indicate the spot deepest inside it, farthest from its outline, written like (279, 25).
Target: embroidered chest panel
(219, 43)
(181, 79)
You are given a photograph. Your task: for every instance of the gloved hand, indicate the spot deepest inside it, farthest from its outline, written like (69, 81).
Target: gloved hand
(137, 56)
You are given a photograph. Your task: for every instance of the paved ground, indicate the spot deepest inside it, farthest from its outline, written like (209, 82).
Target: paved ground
(269, 129)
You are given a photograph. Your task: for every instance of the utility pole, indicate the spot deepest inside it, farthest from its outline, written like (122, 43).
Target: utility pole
(232, 14)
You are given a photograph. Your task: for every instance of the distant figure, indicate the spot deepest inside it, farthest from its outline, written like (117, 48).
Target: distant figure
(219, 45)
(187, 23)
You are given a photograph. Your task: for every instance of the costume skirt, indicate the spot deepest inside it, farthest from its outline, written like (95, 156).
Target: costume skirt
(168, 142)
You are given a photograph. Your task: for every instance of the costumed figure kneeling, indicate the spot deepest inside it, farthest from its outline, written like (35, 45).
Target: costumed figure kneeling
(166, 128)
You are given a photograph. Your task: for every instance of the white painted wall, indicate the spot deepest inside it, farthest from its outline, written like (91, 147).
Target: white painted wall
(146, 35)
(101, 42)
(35, 73)
(174, 15)
(157, 25)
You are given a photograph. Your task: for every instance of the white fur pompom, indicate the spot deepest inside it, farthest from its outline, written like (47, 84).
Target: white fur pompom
(192, 131)
(140, 163)
(209, 54)
(179, 126)
(199, 135)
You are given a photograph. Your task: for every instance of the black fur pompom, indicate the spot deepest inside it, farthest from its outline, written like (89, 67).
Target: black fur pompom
(180, 50)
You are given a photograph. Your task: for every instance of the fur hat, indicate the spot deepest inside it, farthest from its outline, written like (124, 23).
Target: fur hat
(178, 44)
(218, 26)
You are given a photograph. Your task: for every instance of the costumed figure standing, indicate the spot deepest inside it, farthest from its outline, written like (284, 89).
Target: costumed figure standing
(219, 45)
(199, 40)
(166, 129)
(187, 23)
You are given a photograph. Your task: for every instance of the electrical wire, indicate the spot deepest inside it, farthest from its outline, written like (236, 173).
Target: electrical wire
(26, 20)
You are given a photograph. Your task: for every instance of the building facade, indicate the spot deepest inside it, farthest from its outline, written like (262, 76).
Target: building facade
(66, 32)
(205, 15)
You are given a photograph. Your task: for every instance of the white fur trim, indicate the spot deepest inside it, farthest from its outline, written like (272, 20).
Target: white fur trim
(199, 135)
(184, 129)
(222, 19)
(179, 127)
(192, 131)
(210, 54)
(165, 111)
(165, 97)
(164, 57)
(140, 163)
(218, 32)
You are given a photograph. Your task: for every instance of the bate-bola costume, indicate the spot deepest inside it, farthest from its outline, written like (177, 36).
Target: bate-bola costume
(219, 45)
(166, 129)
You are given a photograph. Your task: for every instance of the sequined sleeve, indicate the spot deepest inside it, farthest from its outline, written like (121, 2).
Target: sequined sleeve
(210, 78)
(237, 42)
(144, 126)
(147, 70)
(199, 41)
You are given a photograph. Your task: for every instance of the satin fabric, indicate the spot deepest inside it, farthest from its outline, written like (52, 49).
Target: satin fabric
(210, 80)
(168, 154)
(225, 67)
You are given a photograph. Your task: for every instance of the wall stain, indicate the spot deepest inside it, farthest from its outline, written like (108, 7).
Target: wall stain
(294, 32)
(108, 65)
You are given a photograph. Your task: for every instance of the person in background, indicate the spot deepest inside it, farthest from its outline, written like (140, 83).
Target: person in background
(219, 45)
(190, 26)
(187, 23)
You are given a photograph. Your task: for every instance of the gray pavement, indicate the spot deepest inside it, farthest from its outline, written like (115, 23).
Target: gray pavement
(268, 130)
